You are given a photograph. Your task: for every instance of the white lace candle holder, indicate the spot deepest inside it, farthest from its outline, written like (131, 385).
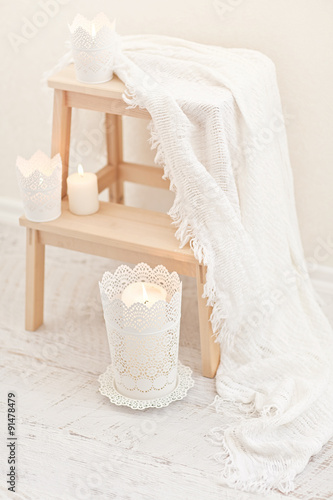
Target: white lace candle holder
(143, 339)
(93, 46)
(39, 181)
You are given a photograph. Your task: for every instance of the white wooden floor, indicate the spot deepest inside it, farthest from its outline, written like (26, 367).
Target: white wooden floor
(72, 443)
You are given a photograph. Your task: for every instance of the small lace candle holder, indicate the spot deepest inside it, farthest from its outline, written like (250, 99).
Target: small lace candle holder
(143, 338)
(39, 181)
(93, 46)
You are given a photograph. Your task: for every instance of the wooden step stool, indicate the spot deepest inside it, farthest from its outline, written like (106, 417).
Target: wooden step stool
(116, 231)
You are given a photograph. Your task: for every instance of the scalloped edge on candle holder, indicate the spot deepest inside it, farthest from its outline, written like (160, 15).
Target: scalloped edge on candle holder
(184, 383)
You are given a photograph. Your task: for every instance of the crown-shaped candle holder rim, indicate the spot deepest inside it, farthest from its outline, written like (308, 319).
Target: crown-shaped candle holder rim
(38, 182)
(39, 163)
(100, 21)
(81, 33)
(139, 317)
(83, 42)
(110, 280)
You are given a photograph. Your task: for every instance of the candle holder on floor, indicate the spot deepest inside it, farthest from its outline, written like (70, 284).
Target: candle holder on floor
(40, 185)
(93, 46)
(143, 340)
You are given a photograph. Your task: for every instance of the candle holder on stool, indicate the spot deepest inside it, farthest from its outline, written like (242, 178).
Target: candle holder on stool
(143, 340)
(93, 46)
(40, 185)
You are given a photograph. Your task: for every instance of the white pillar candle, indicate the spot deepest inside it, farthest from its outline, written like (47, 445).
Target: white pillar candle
(82, 190)
(146, 293)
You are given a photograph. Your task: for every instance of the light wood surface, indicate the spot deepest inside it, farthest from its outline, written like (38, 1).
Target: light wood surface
(103, 104)
(143, 174)
(131, 172)
(61, 131)
(105, 97)
(114, 147)
(210, 350)
(115, 253)
(118, 226)
(105, 177)
(35, 256)
(66, 80)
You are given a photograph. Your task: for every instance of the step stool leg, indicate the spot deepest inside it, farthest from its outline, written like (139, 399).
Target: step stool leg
(34, 298)
(114, 144)
(210, 350)
(61, 133)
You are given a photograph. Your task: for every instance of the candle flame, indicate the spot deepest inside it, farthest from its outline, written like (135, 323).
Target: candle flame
(145, 295)
(93, 30)
(80, 170)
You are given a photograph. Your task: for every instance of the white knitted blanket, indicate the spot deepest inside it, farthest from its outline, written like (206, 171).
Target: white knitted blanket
(218, 129)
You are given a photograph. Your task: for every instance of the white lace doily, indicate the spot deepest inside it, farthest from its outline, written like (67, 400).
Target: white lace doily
(184, 383)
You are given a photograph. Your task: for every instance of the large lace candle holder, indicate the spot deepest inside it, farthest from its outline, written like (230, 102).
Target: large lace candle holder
(143, 340)
(39, 181)
(93, 46)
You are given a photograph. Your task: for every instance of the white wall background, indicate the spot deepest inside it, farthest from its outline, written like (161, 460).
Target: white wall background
(296, 34)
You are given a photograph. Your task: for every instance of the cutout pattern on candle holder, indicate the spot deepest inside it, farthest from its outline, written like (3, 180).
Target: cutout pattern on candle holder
(143, 340)
(39, 181)
(93, 46)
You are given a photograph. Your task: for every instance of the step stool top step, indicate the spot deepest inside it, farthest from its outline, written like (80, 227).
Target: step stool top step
(66, 80)
(105, 97)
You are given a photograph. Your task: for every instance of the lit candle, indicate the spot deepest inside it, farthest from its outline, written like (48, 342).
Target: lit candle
(146, 293)
(93, 31)
(82, 189)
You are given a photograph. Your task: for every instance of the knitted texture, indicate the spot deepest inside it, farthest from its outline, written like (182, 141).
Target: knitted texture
(218, 128)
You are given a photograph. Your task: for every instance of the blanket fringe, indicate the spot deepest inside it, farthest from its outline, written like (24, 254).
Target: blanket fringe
(184, 232)
(231, 472)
